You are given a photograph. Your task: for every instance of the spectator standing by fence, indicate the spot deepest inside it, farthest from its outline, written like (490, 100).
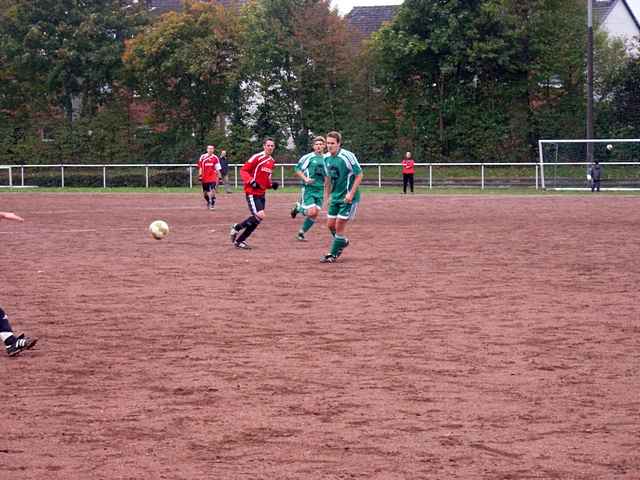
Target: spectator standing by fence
(408, 170)
(224, 171)
(596, 172)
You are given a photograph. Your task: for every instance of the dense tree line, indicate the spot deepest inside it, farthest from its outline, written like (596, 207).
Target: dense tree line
(98, 81)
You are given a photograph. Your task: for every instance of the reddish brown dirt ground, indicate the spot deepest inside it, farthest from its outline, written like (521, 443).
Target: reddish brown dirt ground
(459, 337)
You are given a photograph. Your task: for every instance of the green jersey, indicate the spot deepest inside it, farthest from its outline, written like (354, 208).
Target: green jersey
(312, 166)
(342, 169)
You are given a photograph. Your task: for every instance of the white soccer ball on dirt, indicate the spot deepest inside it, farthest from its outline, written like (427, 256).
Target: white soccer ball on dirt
(159, 229)
(609, 147)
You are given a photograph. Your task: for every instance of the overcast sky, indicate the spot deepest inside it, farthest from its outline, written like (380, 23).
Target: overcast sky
(345, 6)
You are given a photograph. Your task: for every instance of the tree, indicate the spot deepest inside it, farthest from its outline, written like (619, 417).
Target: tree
(65, 52)
(186, 64)
(296, 63)
(445, 64)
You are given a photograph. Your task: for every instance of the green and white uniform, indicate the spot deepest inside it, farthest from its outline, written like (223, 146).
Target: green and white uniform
(312, 166)
(342, 169)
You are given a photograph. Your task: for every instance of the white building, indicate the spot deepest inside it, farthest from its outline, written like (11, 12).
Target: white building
(619, 18)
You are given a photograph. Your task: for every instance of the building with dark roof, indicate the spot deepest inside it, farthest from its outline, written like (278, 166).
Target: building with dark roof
(365, 21)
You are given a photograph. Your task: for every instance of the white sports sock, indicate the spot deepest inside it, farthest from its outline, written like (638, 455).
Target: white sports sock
(5, 335)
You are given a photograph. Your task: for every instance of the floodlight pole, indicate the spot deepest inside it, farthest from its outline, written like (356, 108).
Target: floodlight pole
(589, 81)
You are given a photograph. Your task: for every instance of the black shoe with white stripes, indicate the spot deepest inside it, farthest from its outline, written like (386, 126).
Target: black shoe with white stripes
(19, 344)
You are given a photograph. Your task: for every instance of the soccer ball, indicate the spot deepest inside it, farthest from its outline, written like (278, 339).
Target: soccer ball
(159, 229)
(609, 147)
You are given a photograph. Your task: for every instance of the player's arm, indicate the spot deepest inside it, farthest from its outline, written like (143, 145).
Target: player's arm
(348, 198)
(303, 177)
(11, 216)
(245, 172)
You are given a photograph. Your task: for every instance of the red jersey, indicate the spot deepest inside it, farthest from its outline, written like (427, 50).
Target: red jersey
(407, 165)
(259, 169)
(208, 167)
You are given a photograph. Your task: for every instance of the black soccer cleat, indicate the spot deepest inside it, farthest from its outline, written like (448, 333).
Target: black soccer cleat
(300, 237)
(328, 258)
(21, 343)
(242, 245)
(233, 233)
(294, 212)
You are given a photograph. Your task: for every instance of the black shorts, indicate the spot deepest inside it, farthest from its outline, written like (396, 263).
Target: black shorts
(209, 186)
(256, 203)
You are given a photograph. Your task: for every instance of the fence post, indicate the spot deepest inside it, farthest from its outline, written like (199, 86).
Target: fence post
(104, 176)
(190, 177)
(537, 188)
(146, 176)
(282, 174)
(22, 176)
(62, 176)
(379, 176)
(10, 177)
(482, 176)
(235, 174)
(430, 176)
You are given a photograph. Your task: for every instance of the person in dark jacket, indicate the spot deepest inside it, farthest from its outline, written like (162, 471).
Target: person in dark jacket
(595, 171)
(224, 171)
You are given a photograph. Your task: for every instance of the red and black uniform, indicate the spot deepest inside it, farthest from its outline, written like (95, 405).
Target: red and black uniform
(208, 166)
(256, 175)
(407, 173)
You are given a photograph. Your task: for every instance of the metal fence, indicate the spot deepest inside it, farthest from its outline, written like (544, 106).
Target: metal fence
(428, 175)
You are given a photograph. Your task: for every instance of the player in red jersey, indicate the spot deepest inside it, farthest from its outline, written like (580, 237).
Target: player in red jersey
(13, 344)
(208, 170)
(256, 176)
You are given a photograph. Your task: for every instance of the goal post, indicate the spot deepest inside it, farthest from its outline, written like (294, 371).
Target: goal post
(564, 164)
(6, 176)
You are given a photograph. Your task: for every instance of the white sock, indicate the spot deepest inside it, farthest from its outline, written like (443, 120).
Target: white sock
(5, 335)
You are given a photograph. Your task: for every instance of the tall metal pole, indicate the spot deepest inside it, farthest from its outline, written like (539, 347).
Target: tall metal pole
(589, 80)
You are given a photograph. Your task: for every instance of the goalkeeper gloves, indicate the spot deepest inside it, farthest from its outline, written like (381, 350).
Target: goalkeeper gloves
(275, 185)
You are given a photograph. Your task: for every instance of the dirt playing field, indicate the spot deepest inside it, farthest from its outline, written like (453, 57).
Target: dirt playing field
(458, 337)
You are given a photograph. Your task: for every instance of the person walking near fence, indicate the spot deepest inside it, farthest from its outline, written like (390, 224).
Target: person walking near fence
(346, 174)
(224, 171)
(256, 175)
(595, 171)
(408, 170)
(315, 186)
(13, 344)
(208, 168)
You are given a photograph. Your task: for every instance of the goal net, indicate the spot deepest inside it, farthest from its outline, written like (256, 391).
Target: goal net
(565, 164)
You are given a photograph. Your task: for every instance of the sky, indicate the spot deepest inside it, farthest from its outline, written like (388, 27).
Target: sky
(345, 6)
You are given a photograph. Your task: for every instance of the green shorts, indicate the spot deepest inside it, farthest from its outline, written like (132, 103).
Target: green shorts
(343, 210)
(311, 197)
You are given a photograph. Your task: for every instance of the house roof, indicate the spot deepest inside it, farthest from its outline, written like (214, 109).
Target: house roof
(367, 20)
(602, 9)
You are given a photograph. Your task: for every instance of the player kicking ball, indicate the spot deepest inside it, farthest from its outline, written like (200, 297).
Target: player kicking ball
(256, 175)
(13, 344)
(315, 186)
(345, 175)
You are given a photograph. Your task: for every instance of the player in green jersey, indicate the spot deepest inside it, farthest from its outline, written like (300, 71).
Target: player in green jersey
(315, 187)
(345, 174)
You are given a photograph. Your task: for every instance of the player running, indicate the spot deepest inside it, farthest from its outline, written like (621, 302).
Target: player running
(315, 187)
(13, 344)
(256, 175)
(208, 171)
(345, 174)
